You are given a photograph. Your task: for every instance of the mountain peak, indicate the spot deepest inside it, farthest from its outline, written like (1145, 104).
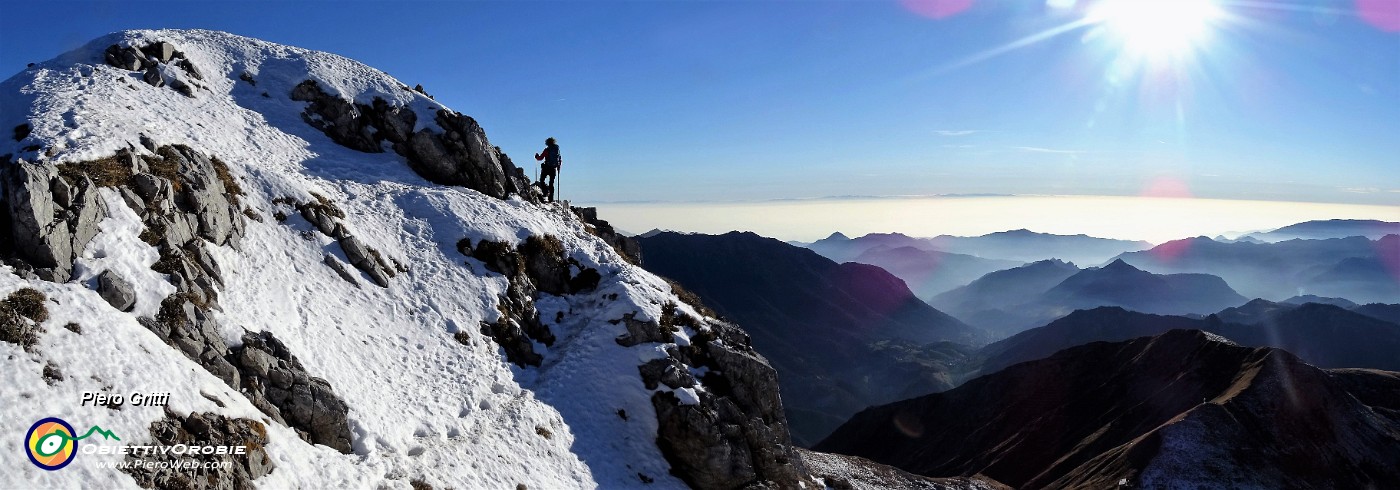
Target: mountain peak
(837, 236)
(286, 159)
(1120, 265)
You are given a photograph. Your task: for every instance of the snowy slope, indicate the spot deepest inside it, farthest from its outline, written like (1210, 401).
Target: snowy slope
(422, 406)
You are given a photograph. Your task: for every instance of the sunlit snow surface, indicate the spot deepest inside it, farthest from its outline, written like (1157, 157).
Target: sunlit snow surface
(422, 405)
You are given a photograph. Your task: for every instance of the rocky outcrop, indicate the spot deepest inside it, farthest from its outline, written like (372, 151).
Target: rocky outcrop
(624, 245)
(188, 202)
(326, 217)
(725, 429)
(539, 265)
(278, 385)
(203, 429)
(48, 219)
(150, 59)
(459, 154)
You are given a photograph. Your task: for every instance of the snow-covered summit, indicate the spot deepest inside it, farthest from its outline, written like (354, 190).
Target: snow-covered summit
(259, 231)
(59, 98)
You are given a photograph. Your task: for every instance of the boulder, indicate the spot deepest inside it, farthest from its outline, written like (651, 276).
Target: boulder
(189, 68)
(45, 235)
(639, 332)
(340, 270)
(273, 377)
(153, 76)
(116, 291)
(361, 257)
(162, 51)
(129, 59)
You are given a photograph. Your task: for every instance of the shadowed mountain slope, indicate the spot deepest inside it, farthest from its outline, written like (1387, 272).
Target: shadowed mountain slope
(1183, 409)
(842, 336)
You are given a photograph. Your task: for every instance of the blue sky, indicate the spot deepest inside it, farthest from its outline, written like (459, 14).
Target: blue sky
(720, 101)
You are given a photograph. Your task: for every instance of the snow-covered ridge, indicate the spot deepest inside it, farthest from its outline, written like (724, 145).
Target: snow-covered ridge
(431, 397)
(63, 97)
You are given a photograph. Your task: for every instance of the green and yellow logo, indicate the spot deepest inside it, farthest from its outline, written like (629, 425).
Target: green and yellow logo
(51, 445)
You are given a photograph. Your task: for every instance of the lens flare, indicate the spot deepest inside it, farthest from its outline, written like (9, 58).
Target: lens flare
(1157, 28)
(1383, 14)
(937, 9)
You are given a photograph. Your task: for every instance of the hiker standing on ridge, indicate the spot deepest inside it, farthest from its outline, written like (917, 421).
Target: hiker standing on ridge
(552, 162)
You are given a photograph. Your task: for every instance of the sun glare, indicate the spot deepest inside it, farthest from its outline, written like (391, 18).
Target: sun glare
(1157, 29)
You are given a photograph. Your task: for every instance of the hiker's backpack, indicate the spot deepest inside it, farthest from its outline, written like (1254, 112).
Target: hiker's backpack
(551, 156)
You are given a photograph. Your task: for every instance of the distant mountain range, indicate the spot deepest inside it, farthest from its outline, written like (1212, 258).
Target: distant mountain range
(1322, 335)
(1356, 268)
(930, 272)
(988, 301)
(1009, 301)
(1183, 409)
(841, 336)
(1015, 245)
(1337, 228)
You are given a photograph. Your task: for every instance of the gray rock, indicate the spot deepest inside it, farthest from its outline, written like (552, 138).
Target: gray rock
(667, 371)
(359, 255)
(148, 143)
(153, 77)
(116, 291)
(639, 332)
(257, 361)
(318, 218)
(183, 88)
(189, 67)
(87, 212)
(62, 193)
(459, 155)
(132, 200)
(129, 59)
(271, 374)
(30, 205)
(151, 187)
(339, 268)
(162, 51)
(737, 435)
(202, 429)
(45, 235)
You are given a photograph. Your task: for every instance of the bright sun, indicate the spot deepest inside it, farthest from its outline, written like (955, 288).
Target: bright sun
(1157, 29)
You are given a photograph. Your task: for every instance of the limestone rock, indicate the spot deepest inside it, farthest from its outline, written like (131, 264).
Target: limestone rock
(203, 429)
(48, 221)
(161, 51)
(116, 291)
(273, 376)
(153, 77)
(737, 435)
(459, 154)
(339, 268)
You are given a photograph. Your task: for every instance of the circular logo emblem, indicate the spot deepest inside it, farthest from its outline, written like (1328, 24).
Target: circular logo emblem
(50, 444)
